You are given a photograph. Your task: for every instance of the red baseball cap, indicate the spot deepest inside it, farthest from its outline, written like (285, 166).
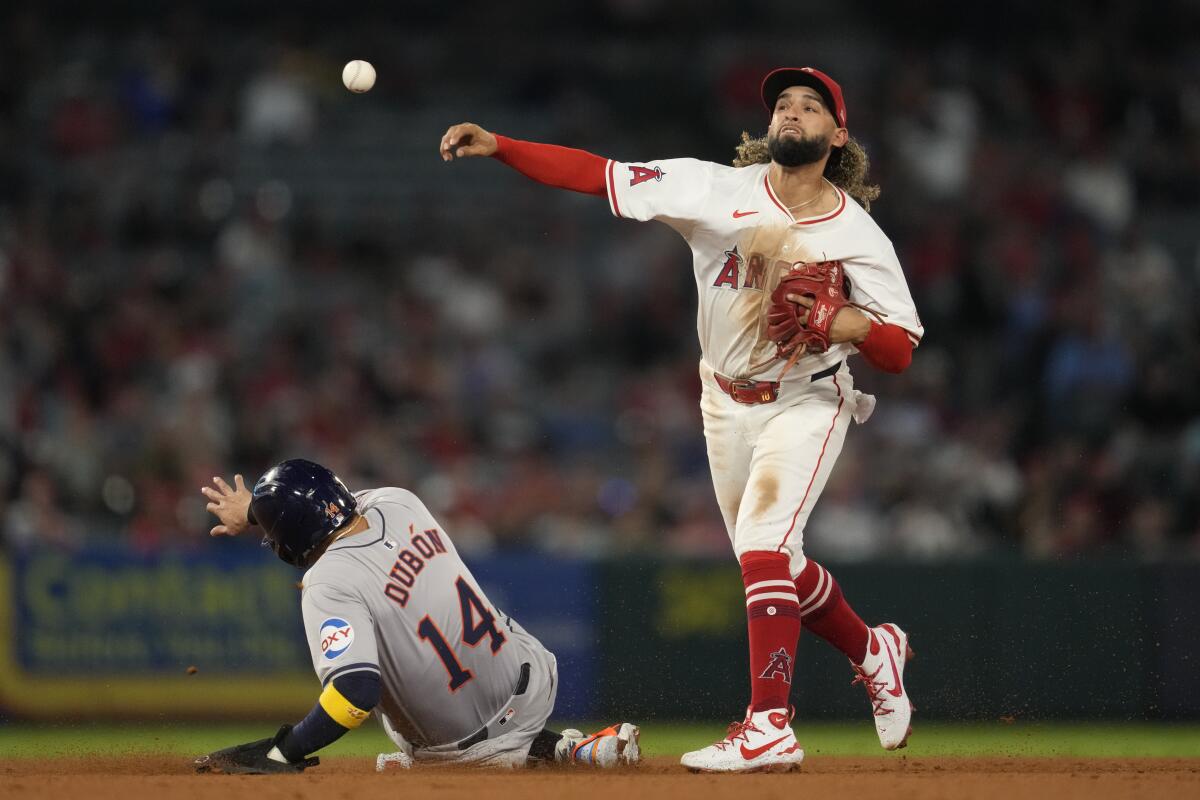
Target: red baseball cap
(779, 79)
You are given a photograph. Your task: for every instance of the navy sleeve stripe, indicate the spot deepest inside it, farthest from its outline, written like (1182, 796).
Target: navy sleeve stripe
(360, 667)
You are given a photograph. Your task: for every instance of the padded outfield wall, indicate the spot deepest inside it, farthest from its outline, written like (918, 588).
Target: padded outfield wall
(111, 634)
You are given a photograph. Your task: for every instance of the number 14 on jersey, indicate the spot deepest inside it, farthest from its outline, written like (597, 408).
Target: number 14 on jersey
(472, 633)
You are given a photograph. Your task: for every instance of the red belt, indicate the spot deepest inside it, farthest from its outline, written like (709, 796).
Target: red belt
(750, 393)
(753, 393)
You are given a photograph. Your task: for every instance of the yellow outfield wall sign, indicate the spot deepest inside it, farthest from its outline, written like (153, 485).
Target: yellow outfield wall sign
(111, 633)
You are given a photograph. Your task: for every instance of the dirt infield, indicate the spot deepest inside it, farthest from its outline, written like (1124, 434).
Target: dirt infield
(826, 777)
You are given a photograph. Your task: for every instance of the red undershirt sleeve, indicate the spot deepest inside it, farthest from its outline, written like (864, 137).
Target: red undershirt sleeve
(887, 347)
(561, 167)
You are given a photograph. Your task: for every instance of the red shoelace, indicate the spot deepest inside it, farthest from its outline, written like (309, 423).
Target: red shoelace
(737, 730)
(874, 689)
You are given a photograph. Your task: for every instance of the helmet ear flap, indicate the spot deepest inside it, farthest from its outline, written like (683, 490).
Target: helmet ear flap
(268, 510)
(258, 513)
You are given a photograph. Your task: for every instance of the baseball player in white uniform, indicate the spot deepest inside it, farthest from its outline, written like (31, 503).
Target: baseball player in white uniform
(773, 430)
(397, 625)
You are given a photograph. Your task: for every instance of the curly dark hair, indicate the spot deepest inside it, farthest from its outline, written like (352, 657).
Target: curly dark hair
(847, 168)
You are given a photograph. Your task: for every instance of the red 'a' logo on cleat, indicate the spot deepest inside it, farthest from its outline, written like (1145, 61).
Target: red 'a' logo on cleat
(780, 666)
(642, 174)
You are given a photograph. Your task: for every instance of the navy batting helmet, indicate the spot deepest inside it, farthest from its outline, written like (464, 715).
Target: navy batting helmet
(298, 504)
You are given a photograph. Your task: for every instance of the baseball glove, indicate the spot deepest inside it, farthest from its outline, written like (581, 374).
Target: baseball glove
(251, 759)
(796, 330)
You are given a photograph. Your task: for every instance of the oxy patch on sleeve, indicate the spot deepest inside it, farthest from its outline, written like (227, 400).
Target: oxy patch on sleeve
(336, 637)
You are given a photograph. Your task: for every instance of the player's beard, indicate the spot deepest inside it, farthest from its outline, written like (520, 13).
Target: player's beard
(797, 151)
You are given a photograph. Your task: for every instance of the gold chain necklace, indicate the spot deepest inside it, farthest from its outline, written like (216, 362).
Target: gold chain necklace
(809, 202)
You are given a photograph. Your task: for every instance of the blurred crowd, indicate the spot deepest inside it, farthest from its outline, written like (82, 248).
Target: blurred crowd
(170, 312)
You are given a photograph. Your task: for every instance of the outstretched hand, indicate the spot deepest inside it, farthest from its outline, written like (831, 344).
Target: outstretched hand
(466, 139)
(231, 505)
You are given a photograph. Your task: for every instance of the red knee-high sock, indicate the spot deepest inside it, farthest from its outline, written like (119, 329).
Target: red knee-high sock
(827, 614)
(773, 619)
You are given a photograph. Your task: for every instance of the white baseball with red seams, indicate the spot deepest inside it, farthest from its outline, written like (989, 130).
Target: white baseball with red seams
(769, 462)
(358, 76)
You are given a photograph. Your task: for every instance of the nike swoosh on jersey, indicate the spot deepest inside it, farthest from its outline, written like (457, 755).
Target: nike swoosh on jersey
(758, 751)
(739, 214)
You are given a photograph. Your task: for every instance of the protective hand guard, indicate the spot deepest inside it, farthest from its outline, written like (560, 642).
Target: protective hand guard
(251, 759)
(828, 285)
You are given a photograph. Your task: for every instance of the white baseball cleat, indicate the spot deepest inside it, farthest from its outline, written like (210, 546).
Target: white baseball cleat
(882, 673)
(764, 742)
(616, 745)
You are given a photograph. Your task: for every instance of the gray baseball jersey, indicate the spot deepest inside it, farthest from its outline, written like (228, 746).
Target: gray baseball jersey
(397, 600)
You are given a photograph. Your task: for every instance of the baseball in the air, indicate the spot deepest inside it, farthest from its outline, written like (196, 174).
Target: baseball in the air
(359, 76)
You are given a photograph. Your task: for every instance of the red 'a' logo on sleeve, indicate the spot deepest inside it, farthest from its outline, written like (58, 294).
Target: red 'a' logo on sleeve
(642, 174)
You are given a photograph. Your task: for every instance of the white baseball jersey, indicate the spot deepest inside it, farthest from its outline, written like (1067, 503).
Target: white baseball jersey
(395, 599)
(718, 210)
(769, 462)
